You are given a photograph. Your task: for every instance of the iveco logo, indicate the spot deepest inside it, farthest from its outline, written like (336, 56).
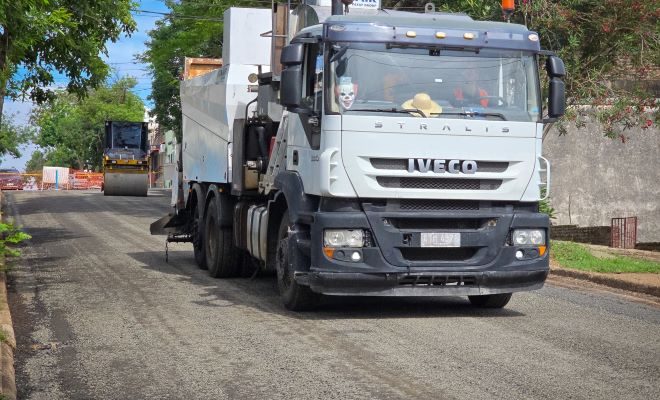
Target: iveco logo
(441, 166)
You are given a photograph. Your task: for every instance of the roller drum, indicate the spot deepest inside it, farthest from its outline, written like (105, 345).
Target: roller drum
(126, 184)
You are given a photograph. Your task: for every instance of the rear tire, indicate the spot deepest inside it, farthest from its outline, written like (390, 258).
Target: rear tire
(295, 297)
(198, 239)
(218, 244)
(490, 300)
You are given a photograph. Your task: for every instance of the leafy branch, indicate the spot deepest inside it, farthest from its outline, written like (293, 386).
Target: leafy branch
(10, 236)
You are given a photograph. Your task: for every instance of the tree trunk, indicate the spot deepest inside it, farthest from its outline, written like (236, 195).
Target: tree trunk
(4, 49)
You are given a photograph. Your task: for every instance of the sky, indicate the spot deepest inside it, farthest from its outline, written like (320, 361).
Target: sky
(121, 56)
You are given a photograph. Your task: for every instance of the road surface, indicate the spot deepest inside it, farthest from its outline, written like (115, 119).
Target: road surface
(99, 314)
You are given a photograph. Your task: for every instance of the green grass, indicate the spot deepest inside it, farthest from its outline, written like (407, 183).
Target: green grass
(576, 256)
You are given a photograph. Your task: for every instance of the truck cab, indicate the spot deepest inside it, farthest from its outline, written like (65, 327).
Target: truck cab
(421, 137)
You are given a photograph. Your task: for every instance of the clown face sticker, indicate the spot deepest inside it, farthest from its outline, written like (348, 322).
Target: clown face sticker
(345, 92)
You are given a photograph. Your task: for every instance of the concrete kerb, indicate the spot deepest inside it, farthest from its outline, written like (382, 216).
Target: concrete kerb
(607, 280)
(7, 347)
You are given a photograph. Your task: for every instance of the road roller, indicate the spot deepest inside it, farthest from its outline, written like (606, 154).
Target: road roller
(125, 159)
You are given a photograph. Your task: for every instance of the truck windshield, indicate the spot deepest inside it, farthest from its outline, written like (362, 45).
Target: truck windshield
(379, 78)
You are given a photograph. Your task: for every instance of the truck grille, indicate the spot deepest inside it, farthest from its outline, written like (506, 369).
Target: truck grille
(439, 183)
(438, 205)
(437, 280)
(437, 254)
(401, 164)
(418, 224)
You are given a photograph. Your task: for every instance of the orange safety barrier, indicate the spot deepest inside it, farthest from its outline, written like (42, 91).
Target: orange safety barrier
(81, 180)
(77, 180)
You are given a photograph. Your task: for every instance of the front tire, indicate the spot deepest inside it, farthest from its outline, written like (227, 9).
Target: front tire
(491, 300)
(218, 243)
(295, 297)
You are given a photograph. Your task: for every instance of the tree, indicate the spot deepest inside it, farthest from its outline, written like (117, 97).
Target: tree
(12, 136)
(38, 37)
(72, 130)
(170, 42)
(36, 162)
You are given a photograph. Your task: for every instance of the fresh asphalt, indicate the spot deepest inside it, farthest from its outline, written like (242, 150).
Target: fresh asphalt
(99, 314)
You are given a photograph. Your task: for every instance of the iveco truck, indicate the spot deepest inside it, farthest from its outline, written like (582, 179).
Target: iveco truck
(369, 153)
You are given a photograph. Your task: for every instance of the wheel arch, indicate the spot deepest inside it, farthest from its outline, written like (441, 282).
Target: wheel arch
(225, 206)
(290, 196)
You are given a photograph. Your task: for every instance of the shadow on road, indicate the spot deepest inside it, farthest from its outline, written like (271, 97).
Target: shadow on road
(50, 235)
(75, 202)
(261, 293)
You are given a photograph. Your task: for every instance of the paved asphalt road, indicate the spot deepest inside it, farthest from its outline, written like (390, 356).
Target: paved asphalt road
(100, 314)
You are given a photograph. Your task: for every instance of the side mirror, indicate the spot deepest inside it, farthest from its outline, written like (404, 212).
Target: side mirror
(557, 92)
(555, 67)
(292, 54)
(556, 98)
(291, 86)
(292, 75)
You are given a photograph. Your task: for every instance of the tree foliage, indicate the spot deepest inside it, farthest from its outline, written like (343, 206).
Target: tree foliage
(12, 136)
(611, 49)
(41, 37)
(36, 162)
(71, 130)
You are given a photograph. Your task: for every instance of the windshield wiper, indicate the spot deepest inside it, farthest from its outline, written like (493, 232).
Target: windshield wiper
(392, 110)
(474, 114)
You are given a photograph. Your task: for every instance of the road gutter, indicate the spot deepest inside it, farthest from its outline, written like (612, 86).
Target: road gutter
(610, 280)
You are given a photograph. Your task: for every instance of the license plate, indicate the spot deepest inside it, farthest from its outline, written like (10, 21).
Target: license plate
(441, 239)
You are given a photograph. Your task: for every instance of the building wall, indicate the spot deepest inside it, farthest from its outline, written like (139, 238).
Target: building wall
(591, 234)
(595, 178)
(169, 161)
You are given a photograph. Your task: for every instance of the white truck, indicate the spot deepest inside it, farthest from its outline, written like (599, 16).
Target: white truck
(372, 153)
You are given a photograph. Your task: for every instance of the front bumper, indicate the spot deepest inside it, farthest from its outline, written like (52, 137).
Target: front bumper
(396, 265)
(422, 284)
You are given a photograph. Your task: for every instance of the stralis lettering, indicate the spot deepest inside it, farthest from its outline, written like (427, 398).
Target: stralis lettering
(442, 166)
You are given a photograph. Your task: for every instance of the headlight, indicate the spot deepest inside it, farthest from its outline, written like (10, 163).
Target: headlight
(528, 237)
(343, 238)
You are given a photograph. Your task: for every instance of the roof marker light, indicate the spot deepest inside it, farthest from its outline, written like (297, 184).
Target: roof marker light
(533, 37)
(468, 35)
(411, 34)
(440, 35)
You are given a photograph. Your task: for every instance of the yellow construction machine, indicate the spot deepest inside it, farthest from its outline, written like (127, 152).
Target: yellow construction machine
(125, 159)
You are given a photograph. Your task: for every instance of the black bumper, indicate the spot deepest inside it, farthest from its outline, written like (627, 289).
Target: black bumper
(422, 284)
(395, 264)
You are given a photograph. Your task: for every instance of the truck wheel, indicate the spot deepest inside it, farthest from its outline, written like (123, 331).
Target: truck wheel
(198, 229)
(294, 296)
(219, 246)
(490, 300)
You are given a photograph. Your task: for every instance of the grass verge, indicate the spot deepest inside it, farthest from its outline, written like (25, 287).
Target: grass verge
(576, 256)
